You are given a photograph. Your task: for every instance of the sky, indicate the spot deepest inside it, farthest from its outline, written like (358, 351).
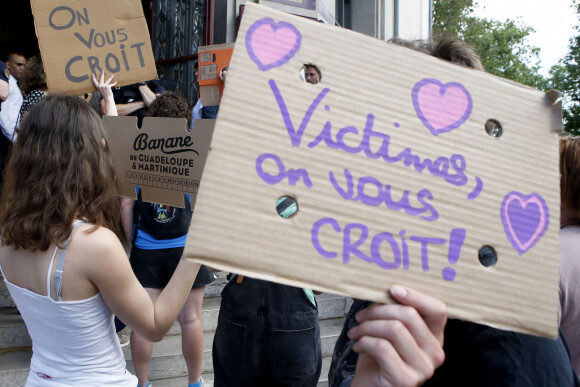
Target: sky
(553, 21)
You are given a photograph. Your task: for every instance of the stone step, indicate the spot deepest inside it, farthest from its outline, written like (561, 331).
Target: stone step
(182, 381)
(13, 333)
(14, 365)
(167, 360)
(14, 371)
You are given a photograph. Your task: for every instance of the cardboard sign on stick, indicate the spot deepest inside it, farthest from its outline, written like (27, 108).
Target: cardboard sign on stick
(211, 61)
(80, 37)
(399, 172)
(163, 158)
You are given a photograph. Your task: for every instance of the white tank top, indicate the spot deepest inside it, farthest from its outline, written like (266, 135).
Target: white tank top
(73, 342)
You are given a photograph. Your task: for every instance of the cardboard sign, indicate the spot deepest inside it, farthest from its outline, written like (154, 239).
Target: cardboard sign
(396, 179)
(80, 37)
(308, 4)
(212, 60)
(163, 158)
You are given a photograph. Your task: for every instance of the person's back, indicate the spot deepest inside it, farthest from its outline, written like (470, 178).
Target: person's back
(72, 331)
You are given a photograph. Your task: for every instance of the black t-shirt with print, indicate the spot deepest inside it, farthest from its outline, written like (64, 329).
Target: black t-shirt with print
(162, 221)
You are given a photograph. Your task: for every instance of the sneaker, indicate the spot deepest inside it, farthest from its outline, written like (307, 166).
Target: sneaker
(201, 383)
(124, 339)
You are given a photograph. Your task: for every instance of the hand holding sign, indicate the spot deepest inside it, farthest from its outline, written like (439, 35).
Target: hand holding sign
(405, 356)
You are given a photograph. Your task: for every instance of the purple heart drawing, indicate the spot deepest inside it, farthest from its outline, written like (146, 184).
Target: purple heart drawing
(272, 44)
(441, 107)
(525, 218)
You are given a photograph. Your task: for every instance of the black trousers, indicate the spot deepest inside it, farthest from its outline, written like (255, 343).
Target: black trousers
(267, 335)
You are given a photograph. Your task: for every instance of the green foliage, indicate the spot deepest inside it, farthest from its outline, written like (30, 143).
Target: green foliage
(565, 76)
(501, 45)
(449, 16)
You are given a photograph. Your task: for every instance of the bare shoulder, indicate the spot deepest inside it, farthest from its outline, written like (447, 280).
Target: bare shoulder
(98, 242)
(96, 234)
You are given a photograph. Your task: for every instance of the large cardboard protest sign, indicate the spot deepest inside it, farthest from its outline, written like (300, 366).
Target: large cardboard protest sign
(399, 171)
(163, 158)
(80, 37)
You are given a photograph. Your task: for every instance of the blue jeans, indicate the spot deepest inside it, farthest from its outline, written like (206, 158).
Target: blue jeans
(210, 112)
(267, 335)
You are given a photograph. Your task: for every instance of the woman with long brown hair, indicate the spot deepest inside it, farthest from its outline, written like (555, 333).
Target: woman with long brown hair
(60, 256)
(570, 244)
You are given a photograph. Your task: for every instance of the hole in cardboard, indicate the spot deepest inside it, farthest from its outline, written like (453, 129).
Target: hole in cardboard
(286, 207)
(487, 256)
(311, 73)
(493, 128)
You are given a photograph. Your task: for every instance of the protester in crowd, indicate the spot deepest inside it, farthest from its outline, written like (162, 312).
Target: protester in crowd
(61, 260)
(4, 82)
(8, 88)
(268, 334)
(130, 100)
(158, 233)
(11, 107)
(164, 81)
(133, 100)
(196, 111)
(475, 355)
(570, 245)
(33, 85)
(312, 73)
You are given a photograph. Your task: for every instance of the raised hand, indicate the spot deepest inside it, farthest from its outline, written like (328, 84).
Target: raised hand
(399, 345)
(105, 88)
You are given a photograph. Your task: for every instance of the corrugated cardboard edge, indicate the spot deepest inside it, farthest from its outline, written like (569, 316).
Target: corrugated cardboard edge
(554, 98)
